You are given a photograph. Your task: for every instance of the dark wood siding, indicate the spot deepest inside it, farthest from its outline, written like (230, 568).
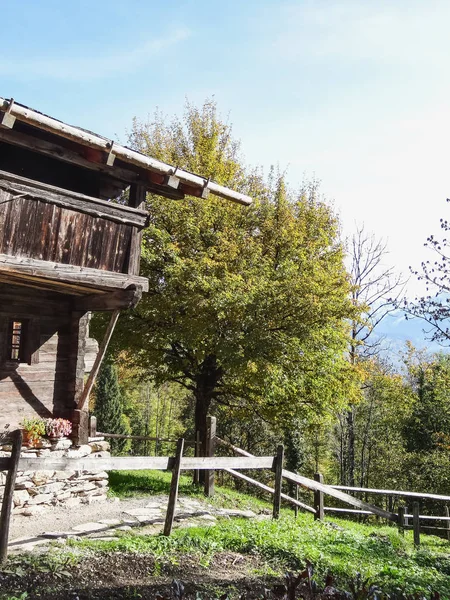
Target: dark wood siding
(44, 388)
(35, 229)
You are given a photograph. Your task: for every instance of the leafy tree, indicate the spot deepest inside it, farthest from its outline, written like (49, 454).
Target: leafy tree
(109, 407)
(247, 306)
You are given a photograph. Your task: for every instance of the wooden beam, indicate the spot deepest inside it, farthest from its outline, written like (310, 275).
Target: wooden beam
(85, 277)
(278, 467)
(118, 463)
(392, 492)
(59, 152)
(137, 200)
(8, 492)
(211, 424)
(119, 299)
(331, 491)
(269, 489)
(98, 360)
(173, 494)
(96, 142)
(15, 184)
(318, 499)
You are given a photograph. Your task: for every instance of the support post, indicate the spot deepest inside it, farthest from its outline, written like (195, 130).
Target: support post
(173, 494)
(92, 426)
(209, 451)
(278, 468)
(318, 499)
(197, 453)
(447, 523)
(5, 516)
(296, 498)
(98, 359)
(401, 520)
(416, 524)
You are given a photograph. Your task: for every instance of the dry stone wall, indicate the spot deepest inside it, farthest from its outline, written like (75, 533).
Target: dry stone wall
(37, 490)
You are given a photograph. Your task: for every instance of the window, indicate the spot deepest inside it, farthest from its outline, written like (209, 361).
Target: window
(17, 336)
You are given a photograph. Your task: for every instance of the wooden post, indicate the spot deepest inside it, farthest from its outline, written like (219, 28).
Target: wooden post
(98, 359)
(209, 451)
(278, 468)
(296, 498)
(406, 518)
(318, 499)
(416, 524)
(173, 494)
(401, 520)
(447, 523)
(92, 426)
(5, 515)
(197, 452)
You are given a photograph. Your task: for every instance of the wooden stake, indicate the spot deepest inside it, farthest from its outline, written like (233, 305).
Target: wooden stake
(318, 499)
(98, 359)
(173, 494)
(278, 467)
(210, 447)
(447, 523)
(197, 453)
(296, 498)
(401, 520)
(416, 524)
(10, 483)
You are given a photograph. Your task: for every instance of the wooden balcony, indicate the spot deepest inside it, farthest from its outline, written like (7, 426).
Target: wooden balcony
(65, 241)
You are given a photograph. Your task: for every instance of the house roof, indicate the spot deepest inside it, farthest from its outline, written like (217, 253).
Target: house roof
(163, 178)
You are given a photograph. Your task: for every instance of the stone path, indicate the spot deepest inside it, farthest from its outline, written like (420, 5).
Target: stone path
(123, 517)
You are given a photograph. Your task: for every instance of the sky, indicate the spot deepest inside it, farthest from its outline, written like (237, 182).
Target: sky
(351, 92)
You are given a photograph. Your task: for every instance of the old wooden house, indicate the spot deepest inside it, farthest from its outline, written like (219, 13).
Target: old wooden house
(69, 244)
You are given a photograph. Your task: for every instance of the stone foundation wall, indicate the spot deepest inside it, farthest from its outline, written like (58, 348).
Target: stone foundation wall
(36, 490)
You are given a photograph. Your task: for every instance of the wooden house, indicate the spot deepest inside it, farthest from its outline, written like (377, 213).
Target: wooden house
(69, 244)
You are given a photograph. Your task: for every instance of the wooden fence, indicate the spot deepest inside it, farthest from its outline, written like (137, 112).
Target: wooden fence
(210, 463)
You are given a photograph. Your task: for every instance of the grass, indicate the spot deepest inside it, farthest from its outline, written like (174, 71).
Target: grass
(133, 484)
(342, 547)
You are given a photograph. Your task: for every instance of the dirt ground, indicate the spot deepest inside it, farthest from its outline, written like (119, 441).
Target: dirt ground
(126, 576)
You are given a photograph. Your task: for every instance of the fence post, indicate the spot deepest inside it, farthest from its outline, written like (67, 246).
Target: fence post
(92, 426)
(416, 524)
(278, 468)
(401, 520)
(318, 499)
(197, 453)
(209, 451)
(406, 518)
(173, 494)
(296, 497)
(447, 523)
(5, 515)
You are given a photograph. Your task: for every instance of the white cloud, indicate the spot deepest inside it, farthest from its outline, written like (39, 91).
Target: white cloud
(114, 61)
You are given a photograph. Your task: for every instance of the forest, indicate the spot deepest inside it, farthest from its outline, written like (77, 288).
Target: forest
(265, 317)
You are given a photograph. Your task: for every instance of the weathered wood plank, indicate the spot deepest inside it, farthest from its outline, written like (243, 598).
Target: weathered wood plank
(137, 462)
(173, 494)
(270, 490)
(119, 299)
(331, 491)
(17, 185)
(86, 277)
(392, 492)
(5, 515)
(278, 467)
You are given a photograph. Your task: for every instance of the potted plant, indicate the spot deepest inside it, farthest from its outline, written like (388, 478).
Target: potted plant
(33, 429)
(56, 429)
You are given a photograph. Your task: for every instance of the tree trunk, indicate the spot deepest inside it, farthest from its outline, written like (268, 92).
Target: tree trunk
(205, 387)
(350, 447)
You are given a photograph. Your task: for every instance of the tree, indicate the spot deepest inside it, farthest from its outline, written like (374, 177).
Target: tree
(248, 307)
(376, 288)
(434, 307)
(109, 408)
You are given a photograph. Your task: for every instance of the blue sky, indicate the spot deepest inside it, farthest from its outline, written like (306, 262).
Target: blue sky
(352, 92)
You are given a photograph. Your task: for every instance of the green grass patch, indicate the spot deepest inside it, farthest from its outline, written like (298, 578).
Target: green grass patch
(341, 547)
(134, 484)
